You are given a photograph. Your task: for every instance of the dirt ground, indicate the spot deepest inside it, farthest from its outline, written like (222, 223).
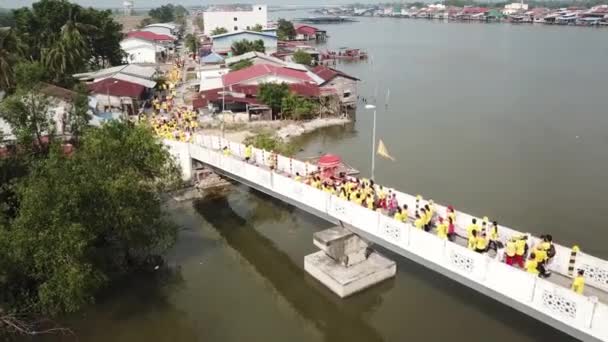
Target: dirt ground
(129, 22)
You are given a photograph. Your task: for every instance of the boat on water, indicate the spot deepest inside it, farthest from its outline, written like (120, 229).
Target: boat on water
(344, 54)
(326, 20)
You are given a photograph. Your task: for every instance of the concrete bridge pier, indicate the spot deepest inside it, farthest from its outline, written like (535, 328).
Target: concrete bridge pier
(346, 264)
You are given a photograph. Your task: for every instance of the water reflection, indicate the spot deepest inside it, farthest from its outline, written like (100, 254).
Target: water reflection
(339, 320)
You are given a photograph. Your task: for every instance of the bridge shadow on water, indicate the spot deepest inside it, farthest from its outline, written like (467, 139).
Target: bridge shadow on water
(337, 319)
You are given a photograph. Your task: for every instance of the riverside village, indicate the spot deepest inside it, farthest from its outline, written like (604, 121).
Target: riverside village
(134, 141)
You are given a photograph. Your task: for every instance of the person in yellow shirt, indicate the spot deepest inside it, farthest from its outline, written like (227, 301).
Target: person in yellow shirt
(343, 194)
(358, 199)
(226, 151)
(521, 250)
(297, 178)
(472, 240)
(369, 202)
(248, 152)
(423, 217)
(578, 283)
(428, 217)
(472, 227)
(419, 222)
(510, 252)
(532, 265)
(481, 243)
(405, 213)
(493, 236)
(442, 229)
(398, 216)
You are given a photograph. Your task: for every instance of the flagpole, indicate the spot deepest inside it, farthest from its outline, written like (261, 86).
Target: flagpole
(374, 146)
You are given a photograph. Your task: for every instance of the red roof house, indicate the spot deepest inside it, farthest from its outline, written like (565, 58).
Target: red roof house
(328, 74)
(307, 32)
(150, 36)
(116, 87)
(261, 73)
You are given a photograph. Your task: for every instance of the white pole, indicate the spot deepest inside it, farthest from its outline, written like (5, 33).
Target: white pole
(374, 146)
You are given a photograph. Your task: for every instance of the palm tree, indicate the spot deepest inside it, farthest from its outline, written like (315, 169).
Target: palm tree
(70, 51)
(11, 50)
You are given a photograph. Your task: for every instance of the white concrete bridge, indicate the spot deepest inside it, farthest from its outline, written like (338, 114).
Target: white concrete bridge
(548, 300)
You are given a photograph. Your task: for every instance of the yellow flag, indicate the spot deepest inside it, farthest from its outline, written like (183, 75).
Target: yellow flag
(383, 151)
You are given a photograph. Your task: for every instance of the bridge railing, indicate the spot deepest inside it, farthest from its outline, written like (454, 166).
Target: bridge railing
(596, 270)
(578, 311)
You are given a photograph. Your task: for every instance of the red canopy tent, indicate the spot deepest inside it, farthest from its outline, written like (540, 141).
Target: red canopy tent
(329, 164)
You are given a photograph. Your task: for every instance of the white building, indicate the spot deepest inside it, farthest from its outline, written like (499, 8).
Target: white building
(141, 51)
(514, 8)
(164, 28)
(437, 6)
(235, 20)
(222, 43)
(211, 77)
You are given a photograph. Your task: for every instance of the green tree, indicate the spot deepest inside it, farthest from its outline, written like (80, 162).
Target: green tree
(68, 37)
(269, 142)
(297, 108)
(11, 51)
(219, 30)
(192, 43)
(6, 18)
(241, 65)
(285, 30)
(301, 57)
(257, 28)
(145, 22)
(272, 95)
(243, 46)
(163, 14)
(79, 113)
(199, 23)
(27, 110)
(86, 219)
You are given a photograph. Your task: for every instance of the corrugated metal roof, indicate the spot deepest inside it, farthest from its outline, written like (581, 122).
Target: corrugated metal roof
(136, 80)
(263, 34)
(117, 87)
(260, 70)
(150, 36)
(252, 55)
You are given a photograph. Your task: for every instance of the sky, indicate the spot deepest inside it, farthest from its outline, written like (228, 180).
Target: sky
(154, 3)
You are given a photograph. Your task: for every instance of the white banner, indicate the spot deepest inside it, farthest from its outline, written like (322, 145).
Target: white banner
(284, 164)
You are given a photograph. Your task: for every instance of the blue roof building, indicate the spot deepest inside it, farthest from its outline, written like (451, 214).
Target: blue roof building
(212, 58)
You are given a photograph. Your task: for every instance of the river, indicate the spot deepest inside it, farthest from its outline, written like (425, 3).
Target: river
(499, 120)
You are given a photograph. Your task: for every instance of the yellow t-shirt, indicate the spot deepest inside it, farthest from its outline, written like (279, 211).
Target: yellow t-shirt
(398, 216)
(521, 247)
(359, 200)
(540, 254)
(531, 266)
(442, 230)
(471, 242)
(297, 178)
(511, 248)
(578, 284)
(472, 227)
(419, 223)
(369, 202)
(481, 242)
(493, 233)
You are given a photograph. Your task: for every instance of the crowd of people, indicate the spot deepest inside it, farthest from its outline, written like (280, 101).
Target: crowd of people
(516, 251)
(168, 119)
